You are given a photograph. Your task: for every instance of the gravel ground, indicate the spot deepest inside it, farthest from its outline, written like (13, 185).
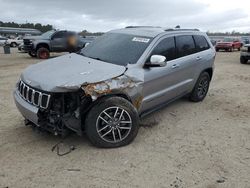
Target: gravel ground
(185, 145)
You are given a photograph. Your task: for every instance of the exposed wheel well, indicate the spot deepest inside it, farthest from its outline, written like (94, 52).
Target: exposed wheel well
(44, 45)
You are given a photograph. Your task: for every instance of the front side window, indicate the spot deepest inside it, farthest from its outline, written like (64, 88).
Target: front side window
(201, 43)
(59, 35)
(117, 48)
(185, 45)
(166, 48)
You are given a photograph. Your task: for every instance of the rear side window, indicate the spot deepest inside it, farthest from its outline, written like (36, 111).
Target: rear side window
(166, 48)
(201, 43)
(185, 45)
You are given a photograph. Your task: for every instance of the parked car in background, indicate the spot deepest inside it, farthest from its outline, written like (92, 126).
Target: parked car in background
(245, 54)
(15, 42)
(2, 40)
(228, 44)
(121, 76)
(87, 39)
(245, 40)
(52, 41)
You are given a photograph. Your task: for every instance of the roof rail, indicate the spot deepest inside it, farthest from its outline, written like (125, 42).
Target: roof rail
(177, 29)
(129, 27)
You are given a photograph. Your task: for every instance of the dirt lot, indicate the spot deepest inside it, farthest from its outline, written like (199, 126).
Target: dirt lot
(185, 145)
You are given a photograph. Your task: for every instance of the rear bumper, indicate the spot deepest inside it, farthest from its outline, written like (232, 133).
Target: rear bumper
(27, 110)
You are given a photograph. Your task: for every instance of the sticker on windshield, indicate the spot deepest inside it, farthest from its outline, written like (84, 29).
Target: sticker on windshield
(139, 39)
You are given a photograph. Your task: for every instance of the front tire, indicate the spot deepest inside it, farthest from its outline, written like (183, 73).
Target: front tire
(43, 53)
(201, 88)
(113, 122)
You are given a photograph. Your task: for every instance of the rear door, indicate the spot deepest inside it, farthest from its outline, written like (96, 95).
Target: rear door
(187, 63)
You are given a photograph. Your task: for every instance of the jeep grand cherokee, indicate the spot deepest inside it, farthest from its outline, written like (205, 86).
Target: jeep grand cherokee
(121, 76)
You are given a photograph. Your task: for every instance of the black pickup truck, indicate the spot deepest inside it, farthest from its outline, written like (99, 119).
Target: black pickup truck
(53, 41)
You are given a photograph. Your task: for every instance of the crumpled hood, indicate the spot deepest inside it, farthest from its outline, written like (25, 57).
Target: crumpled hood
(69, 72)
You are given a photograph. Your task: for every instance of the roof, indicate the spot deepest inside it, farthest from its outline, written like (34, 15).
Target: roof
(149, 31)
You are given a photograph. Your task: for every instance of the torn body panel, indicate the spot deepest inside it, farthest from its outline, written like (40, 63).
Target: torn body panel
(129, 84)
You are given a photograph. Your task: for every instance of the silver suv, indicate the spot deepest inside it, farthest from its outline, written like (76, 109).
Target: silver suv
(122, 76)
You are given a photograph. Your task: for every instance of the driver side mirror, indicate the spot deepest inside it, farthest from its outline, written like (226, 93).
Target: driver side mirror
(157, 61)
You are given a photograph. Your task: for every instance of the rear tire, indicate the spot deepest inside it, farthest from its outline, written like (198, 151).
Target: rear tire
(13, 44)
(243, 60)
(43, 53)
(201, 88)
(112, 122)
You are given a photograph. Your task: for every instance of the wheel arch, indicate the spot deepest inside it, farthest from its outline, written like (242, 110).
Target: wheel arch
(209, 71)
(101, 98)
(44, 45)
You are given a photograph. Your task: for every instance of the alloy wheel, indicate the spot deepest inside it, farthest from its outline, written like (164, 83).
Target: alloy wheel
(203, 87)
(114, 124)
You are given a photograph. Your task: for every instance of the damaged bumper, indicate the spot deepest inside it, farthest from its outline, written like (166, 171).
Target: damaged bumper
(62, 115)
(27, 110)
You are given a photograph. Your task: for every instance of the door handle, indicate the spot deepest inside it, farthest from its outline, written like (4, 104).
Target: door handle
(198, 58)
(175, 66)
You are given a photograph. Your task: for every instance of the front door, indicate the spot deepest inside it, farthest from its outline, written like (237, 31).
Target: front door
(59, 41)
(160, 82)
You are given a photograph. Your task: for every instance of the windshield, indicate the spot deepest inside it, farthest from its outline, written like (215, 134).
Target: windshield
(48, 34)
(116, 48)
(228, 40)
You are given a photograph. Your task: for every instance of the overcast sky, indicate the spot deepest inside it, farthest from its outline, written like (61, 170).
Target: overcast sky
(104, 15)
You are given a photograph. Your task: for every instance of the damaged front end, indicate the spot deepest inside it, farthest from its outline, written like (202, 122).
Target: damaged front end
(66, 111)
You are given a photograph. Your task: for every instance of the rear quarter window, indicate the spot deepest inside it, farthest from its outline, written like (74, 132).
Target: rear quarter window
(201, 43)
(185, 45)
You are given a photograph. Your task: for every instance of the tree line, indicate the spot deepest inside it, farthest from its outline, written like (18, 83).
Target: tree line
(38, 26)
(87, 33)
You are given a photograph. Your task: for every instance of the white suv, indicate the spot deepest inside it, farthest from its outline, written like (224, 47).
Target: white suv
(15, 42)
